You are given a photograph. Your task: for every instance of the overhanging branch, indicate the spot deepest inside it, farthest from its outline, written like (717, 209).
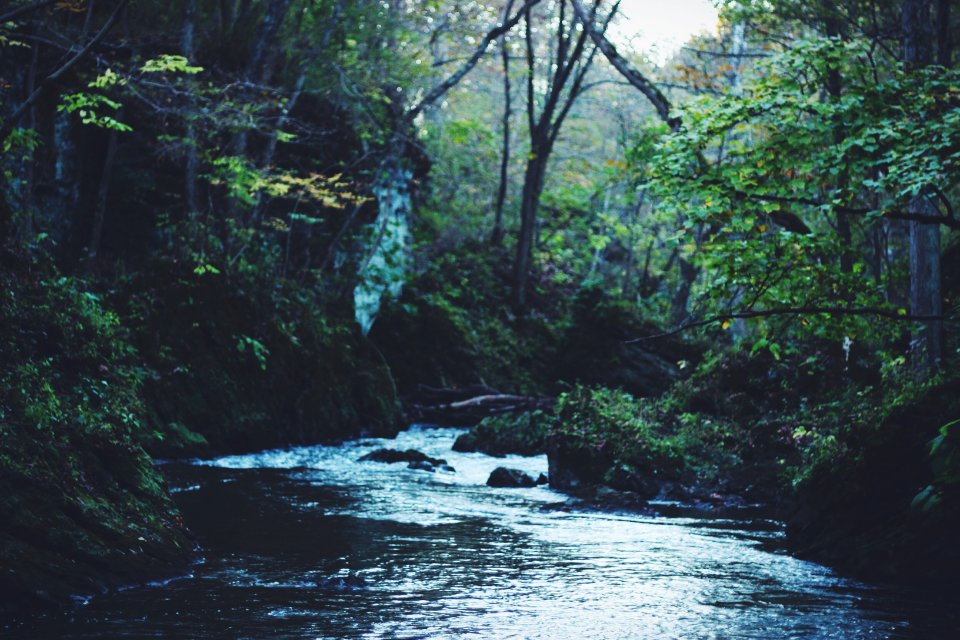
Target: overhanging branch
(947, 221)
(879, 312)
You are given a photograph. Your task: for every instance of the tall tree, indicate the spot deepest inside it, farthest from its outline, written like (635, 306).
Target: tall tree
(192, 163)
(496, 236)
(564, 77)
(926, 345)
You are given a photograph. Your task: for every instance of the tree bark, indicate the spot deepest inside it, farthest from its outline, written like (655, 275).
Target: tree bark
(257, 69)
(924, 240)
(832, 25)
(192, 161)
(497, 236)
(630, 74)
(529, 204)
(926, 343)
(944, 34)
(25, 231)
(103, 191)
(472, 410)
(688, 274)
(451, 81)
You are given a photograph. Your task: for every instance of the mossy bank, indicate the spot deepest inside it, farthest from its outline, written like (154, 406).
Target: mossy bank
(82, 509)
(174, 364)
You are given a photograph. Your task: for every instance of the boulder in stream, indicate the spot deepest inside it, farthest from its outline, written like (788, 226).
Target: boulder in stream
(415, 459)
(391, 456)
(512, 478)
(424, 465)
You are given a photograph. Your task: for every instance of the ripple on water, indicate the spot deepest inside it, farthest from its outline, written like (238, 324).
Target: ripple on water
(424, 555)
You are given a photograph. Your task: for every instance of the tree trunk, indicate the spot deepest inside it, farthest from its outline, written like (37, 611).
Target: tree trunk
(835, 90)
(926, 343)
(688, 274)
(497, 235)
(257, 71)
(25, 231)
(96, 234)
(925, 287)
(192, 160)
(530, 202)
(944, 34)
(569, 66)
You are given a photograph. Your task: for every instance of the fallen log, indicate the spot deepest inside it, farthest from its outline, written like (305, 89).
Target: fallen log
(470, 411)
(425, 394)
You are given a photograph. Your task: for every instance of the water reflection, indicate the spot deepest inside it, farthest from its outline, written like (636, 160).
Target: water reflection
(308, 543)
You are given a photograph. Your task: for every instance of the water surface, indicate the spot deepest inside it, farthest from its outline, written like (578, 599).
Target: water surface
(308, 543)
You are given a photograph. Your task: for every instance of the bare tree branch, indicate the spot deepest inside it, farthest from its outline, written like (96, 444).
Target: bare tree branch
(725, 54)
(627, 70)
(437, 92)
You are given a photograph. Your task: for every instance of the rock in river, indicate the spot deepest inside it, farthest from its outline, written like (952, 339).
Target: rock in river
(416, 459)
(513, 478)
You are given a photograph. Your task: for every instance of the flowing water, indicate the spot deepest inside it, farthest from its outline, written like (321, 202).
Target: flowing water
(309, 543)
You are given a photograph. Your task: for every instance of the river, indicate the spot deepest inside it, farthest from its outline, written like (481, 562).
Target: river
(308, 543)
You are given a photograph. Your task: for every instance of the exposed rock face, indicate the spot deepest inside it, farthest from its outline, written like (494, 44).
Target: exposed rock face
(391, 456)
(511, 478)
(424, 465)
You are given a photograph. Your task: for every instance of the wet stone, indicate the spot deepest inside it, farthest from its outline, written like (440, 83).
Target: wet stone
(511, 478)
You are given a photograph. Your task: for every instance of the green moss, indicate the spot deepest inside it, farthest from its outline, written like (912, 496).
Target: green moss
(77, 491)
(878, 490)
(523, 433)
(453, 327)
(625, 429)
(235, 370)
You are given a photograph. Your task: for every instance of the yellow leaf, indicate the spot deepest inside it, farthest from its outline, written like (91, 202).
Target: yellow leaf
(725, 324)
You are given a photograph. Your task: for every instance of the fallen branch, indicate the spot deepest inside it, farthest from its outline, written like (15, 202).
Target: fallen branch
(470, 411)
(434, 94)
